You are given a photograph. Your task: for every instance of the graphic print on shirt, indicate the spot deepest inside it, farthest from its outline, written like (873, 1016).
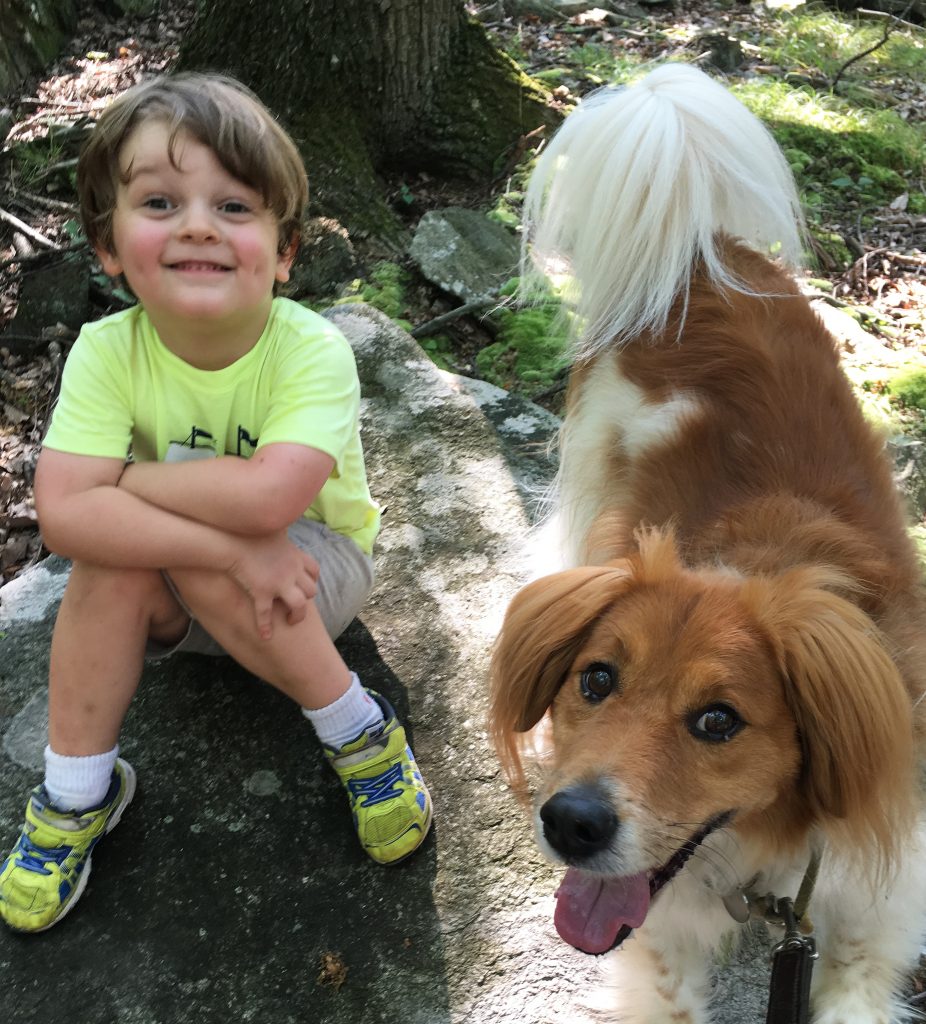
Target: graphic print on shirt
(199, 444)
(244, 438)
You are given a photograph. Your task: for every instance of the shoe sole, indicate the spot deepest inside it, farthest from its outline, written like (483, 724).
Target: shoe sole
(130, 782)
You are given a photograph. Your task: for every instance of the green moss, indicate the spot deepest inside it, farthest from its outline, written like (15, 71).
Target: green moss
(384, 289)
(507, 209)
(529, 350)
(440, 349)
(909, 388)
(551, 77)
(835, 248)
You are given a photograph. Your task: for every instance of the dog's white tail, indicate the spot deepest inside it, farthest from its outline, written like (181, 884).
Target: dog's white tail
(633, 189)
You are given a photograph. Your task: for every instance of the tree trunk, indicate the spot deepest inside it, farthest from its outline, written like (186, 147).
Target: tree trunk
(31, 33)
(372, 85)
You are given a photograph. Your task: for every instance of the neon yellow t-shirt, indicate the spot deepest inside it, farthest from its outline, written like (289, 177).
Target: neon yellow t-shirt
(123, 392)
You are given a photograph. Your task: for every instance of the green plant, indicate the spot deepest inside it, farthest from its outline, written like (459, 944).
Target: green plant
(909, 389)
(440, 349)
(531, 345)
(384, 289)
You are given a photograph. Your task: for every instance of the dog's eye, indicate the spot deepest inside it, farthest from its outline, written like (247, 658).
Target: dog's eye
(716, 724)
(597, 681)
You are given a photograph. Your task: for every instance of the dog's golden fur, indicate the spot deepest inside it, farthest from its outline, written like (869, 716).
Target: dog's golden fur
(752, 553)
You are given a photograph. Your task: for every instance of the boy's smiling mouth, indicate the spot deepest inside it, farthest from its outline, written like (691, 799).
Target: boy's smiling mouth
(200, 266)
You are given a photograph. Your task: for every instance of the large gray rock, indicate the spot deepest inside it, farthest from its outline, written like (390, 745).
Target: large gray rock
(464, 252)
(236, 870)
(58, 293)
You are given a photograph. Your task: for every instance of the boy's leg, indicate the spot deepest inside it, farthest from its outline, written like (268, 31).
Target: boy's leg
(391, 804)
(97, 649)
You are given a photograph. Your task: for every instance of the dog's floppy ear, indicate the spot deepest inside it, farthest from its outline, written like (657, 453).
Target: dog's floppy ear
(851, 707)
(543, 627)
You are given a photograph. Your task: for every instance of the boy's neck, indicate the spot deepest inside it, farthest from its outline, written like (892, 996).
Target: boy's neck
(211, 344)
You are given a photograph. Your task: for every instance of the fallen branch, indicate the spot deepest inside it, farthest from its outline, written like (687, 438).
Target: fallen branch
(24, 228)
(46, 255)
(47, 202)
(454, 314)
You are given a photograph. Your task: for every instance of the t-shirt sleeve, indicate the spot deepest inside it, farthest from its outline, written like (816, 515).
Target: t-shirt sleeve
(316, 397)
(92, 414)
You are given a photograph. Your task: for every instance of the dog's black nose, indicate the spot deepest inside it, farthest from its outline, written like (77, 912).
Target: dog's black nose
(578, 821)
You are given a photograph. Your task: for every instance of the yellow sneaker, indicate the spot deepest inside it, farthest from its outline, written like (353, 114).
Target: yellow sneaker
(47, 869)
(389, 800)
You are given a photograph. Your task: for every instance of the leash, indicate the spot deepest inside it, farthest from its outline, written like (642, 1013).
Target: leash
(792, 969)
(793, 957)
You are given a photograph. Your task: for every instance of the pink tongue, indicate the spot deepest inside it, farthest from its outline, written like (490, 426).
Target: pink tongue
(592, 909)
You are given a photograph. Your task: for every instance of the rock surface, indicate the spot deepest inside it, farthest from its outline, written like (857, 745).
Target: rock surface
(233, 889)
(464, 252)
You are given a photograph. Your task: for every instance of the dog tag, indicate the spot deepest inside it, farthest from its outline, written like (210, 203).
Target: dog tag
(737, 906)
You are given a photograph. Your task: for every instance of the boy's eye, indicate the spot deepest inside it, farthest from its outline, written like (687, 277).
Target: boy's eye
(157, 203)
(234, 206)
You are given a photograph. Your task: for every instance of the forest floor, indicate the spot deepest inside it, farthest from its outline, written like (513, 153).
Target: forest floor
(872, 265)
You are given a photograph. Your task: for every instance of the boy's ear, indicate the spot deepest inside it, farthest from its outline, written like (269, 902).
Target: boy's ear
(285, 259)
(109, 261)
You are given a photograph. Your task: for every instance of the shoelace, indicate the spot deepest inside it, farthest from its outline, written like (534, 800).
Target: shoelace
(34, 858)
(378, 789)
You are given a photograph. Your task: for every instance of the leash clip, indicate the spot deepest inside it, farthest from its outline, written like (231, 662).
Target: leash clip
(792, 969)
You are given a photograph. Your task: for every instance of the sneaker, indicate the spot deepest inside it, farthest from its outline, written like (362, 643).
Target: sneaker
(47, 869)
(389, 800)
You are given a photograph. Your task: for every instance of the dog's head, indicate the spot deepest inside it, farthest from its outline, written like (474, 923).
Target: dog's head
(682, 700)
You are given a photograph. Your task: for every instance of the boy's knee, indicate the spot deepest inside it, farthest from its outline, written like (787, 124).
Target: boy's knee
(207, 588)
(117, 584)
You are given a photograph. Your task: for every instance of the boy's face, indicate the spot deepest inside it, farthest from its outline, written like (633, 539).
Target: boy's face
(194, 243)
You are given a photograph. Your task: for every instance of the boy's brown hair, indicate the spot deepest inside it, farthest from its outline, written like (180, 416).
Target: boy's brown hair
(218, 112)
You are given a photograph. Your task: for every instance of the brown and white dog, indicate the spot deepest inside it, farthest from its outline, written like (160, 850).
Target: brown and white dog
(733, 654)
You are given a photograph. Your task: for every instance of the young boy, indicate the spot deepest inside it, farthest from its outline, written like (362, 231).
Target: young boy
(242, 522)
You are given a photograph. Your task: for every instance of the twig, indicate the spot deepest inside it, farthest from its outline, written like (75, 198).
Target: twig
(900, 18)
(46, 255)
(889, 27)
(47, 201)
(27, 231)
(35, 101)
(454, 314)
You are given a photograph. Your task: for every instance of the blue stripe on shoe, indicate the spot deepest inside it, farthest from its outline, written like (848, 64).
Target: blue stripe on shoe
(378, 789)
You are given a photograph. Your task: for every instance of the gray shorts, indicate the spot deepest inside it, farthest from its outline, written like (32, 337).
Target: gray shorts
(345, 579)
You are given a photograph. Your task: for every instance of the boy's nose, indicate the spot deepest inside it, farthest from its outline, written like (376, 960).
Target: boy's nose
(197, 224)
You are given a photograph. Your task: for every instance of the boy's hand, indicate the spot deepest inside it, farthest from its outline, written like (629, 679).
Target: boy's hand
(270, 568)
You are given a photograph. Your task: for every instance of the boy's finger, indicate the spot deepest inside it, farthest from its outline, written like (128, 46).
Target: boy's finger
(263, 615)
(296, 615)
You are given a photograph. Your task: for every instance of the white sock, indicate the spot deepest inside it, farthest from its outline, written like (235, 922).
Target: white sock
(76, 783)
(347, 717)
